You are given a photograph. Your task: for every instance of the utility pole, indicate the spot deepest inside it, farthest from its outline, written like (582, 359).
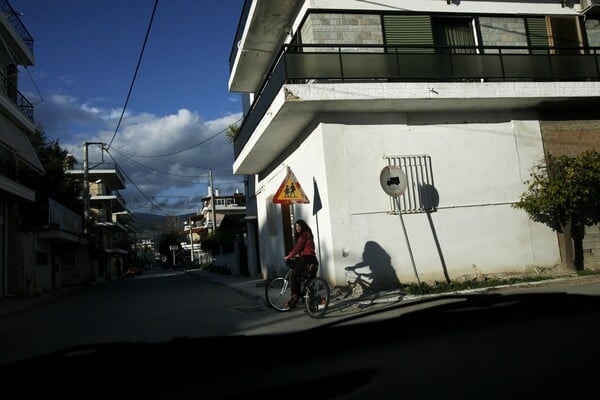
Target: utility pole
(191, 239)
(213, 204)
(86, 190)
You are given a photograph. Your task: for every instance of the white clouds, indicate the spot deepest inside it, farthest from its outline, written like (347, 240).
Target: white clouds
(174, 152)
(157, 153)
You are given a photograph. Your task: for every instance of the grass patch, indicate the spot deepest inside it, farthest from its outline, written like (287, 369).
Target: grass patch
(587, 272)
(445, 287)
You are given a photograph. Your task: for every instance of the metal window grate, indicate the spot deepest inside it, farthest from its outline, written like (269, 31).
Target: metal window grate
(420, 195)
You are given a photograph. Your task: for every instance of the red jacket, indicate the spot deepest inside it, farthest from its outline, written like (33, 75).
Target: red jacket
(305, 246)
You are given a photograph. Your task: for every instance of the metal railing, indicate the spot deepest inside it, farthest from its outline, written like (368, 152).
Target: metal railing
(16, 23)
(440, 63)
(11, 91)
(327, 63)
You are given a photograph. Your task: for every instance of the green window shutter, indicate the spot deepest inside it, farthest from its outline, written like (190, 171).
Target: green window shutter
(408, 30)
(537, 33)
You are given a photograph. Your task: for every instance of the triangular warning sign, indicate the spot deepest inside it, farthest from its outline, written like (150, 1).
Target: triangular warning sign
(290, 191)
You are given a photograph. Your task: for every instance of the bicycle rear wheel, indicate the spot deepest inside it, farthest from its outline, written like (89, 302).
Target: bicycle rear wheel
(277, 293)
(316, 297)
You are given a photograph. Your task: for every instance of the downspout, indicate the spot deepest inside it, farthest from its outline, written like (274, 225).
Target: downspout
(4, 251)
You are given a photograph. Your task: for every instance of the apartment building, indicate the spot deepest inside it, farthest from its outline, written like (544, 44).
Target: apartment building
(107, 221)
(226, 213)
(17, 156)
(464, 96)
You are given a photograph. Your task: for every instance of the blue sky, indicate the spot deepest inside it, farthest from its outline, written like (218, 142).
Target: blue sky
(86, 54)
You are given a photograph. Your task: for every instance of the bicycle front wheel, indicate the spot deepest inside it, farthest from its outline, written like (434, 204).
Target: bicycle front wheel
(316, 297)
(278, 292)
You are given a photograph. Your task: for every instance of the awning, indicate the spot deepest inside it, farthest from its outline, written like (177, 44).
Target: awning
(17, 140)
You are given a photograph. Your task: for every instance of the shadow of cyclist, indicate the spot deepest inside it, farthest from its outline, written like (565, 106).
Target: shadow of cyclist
(376, 268)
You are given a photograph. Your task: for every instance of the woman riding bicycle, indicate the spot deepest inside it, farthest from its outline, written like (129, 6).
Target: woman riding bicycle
(306, 262)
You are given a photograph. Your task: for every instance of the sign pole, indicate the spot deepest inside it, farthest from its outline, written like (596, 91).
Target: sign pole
(412, 259)
(394, 182)
(173, 247)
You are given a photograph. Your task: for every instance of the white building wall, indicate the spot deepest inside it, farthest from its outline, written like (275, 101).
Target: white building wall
(478, 171)
(306, 162)
(478, 6)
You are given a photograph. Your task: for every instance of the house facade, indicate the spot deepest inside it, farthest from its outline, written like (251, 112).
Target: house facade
(17, 157)
(466, 97)
(227, 214)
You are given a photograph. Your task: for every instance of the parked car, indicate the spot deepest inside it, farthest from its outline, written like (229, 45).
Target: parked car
(134, 270)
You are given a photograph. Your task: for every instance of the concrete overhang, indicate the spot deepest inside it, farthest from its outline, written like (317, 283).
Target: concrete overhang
(58, 236)
(297, 106)
(112, 177)
(265, 30)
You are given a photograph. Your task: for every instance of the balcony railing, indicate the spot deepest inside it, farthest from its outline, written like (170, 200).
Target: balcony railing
(329, 63)
(16, 97)
(16, 23)
(440, 63)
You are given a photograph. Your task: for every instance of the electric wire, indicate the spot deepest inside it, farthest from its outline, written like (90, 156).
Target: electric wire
(37, 89)
(136, 186)
(134, 74)
(162, 172)
(170, 163)
(182, 150)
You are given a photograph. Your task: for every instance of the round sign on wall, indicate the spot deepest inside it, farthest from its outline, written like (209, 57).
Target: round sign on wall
(393, 180)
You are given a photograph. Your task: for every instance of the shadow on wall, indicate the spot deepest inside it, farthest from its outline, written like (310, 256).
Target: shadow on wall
(382, 275)
(431, 201)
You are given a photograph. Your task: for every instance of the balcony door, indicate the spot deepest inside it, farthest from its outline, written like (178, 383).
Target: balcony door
(455, 33)
(562, 33)
(565, 35)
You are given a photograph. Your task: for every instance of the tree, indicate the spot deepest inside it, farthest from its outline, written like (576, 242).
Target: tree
(168, 239)
(54, 183)
(564, 193)
(232, 132)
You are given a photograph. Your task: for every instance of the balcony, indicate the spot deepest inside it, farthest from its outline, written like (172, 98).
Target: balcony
(15, 35)
(16, 97)
(378, 78)
(261, 29)
(108, 173)
(64, 225)
(113, 201)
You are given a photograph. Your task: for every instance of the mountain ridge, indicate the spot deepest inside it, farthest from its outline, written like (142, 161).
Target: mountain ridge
(148, 224)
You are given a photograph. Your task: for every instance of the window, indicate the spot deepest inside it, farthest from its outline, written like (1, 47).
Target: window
(420, 195)
(41, 258)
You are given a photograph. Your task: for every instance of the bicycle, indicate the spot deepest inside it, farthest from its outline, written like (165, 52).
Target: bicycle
(315, 292)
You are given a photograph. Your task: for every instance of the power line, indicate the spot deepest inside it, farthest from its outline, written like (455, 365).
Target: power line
(179, 151)
(195, 166)
(134, 185)
(162, 172)
(135, 73)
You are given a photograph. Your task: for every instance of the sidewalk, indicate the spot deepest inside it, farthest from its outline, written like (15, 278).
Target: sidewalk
(12, 304)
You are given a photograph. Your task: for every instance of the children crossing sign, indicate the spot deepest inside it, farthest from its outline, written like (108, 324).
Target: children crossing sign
(290, 191)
